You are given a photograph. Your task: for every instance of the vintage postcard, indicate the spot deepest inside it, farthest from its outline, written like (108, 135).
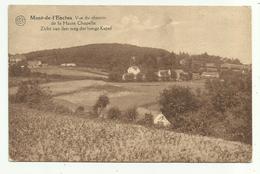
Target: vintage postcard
(130, 83)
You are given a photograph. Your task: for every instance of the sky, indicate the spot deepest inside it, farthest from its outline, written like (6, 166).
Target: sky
(223, 31)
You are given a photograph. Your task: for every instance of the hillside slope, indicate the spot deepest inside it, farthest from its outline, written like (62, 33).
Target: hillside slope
(38, 136)
(95, 55)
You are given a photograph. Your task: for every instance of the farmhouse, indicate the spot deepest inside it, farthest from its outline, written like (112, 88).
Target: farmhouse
(233, 67)
(131, 71)
(207, 75)
(164, 74)
(157, 117)
(34, 64)
(178, 74)
(183, 61)
(13, 59)
(196, 76)
(68, 64)
(197, 65)
(160, 119)
(211, 67)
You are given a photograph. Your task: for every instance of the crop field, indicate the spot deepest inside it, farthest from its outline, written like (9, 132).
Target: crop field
(42, 136)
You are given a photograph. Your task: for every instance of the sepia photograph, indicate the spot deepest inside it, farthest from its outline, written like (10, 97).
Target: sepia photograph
(146, 84)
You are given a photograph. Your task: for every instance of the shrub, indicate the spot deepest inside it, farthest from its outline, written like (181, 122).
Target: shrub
(147, 120)
(19, 70)
(173, 75)
(186, 76)
(165, 78)
(129, 77)
(140, 77)
(176, 101)
(31, 93)
(200, 122)
(57, 109)
(230, 92)
(114, 113)
(80, 109)
(151, 76)
(115, 76)
(101, 103)
(198, 92)
(130, 114)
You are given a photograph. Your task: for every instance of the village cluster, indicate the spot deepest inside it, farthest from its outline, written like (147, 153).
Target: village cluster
(205, 71)
(135, 72)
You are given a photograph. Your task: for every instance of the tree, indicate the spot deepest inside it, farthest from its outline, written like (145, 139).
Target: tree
(31, 93)
(19, 70)
(140, 77)
(129, 77)
(115, 76)
(176, 101)
(151, 76)
(173, 75)
(114, 113)
(101, 103)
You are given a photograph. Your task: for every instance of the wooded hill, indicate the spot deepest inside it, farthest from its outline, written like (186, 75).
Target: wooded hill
(110, 56)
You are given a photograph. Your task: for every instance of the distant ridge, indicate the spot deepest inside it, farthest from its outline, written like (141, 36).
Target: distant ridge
(97, 55)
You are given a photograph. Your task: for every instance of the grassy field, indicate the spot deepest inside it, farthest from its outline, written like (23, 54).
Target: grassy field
(71, 71)
(85, 92)
(122, 95)
(41, 136)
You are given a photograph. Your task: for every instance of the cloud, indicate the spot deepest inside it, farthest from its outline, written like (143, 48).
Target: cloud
(132, 22)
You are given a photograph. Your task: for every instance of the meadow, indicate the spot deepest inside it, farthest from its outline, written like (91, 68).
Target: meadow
(44, 136)
(122, 95)
(84, 92)
(71, 71)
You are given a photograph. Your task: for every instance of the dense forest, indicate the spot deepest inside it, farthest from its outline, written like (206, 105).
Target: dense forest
(111, 56)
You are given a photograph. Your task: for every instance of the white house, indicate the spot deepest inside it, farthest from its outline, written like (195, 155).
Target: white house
(34, 64)
(13, 59)
(134, 70)
(68, 64)
(164, 74)
(178, 74)
(206, 75)
(160, 119)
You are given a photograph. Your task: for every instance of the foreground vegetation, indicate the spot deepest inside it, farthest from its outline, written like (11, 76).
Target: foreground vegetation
(44, 136)
(223, 109)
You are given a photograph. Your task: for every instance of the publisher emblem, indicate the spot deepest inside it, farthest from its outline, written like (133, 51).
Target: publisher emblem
(20, 20)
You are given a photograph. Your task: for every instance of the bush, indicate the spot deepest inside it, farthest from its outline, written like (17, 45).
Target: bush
(115, 76)
(129, 77)
(230, 92)
(114, 113)
(176, 101)
(200, 122)
(19, 70)
(130, 114)
(31, 93)
(140, 77)
(151, 76)
(148, 120)
(101, 103)
(173, 75)
(185, 76)
(80, 110)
